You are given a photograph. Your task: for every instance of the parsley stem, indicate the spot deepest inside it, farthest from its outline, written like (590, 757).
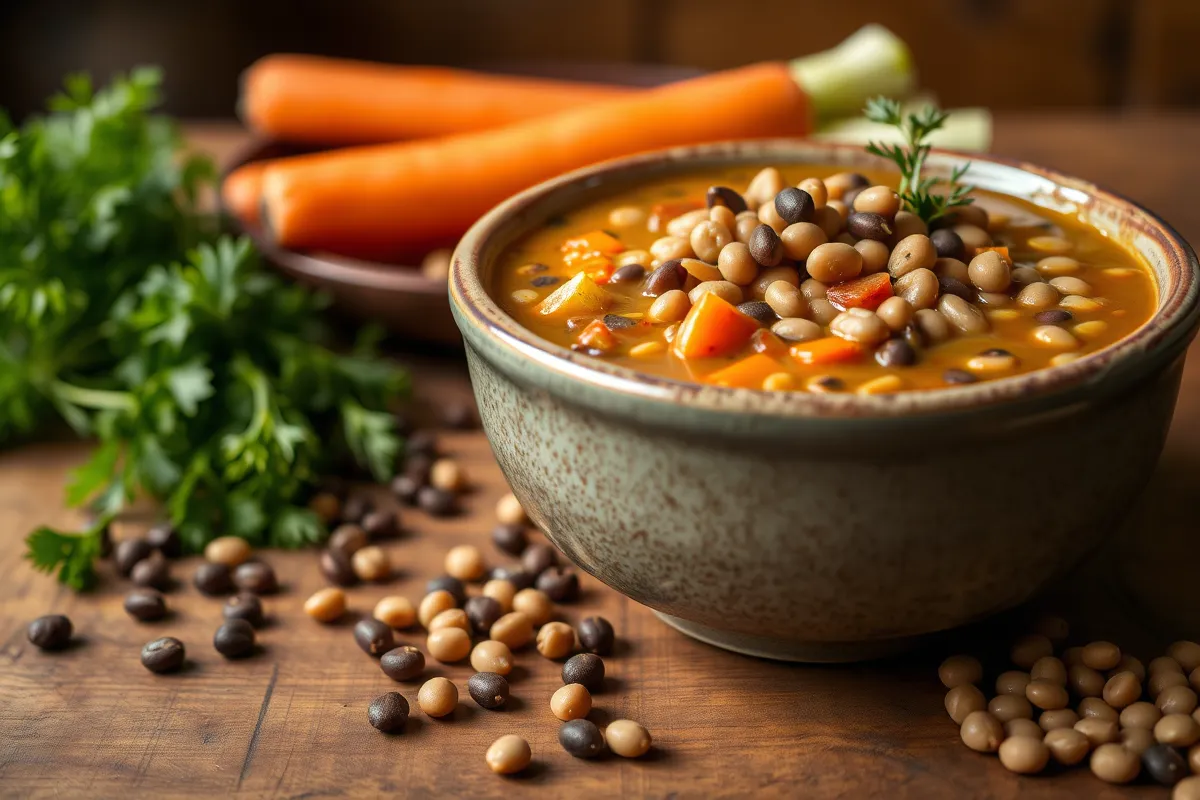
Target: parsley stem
(92, 398)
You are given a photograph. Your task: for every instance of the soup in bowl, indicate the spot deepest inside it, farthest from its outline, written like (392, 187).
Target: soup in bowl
(741, 385)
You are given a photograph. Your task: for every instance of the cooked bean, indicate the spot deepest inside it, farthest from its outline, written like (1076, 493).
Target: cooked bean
(769, 216)
(948, 244)
(724, 196)
(920, 288)
(963, 316)
(1023, 276)
(881, 200)
(794, 205)
(669, 248)
(729, 292)
(630, 273)
(766, 277)
(837, 185)
(671, 306)
(816, 190)
(830, 219)
(990, 272)
(786, 300)
(865, 225)
(758, 310)
(766, 247)
(1038, 296)
(896, 312)
(682, 225)
(736, 264)
(747, 221)
(895, 353)
(911, 253)
(764, 186)
(800, 239)
(834, 262)
(860, 325)
(933, 326)
(795, 329)
(724, 216)
(707, 240)
(973, 236)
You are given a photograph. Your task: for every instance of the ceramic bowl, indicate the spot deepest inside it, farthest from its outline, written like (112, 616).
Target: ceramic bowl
(823, 527)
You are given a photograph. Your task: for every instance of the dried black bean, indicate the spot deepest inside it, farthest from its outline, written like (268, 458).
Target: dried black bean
(628, 274)
(517, 576)
(213, 579)
(1164, 764)
(246, 607)
(437, 502)
(949, 285)
(255, 577)
(794, 205)
(153, 572)
(615, 322)
(759, 310)
(766, 248)
(544, 280)
(388, 712)
(1053, 316)
(724, 196)
(948, 244)
(448, 583)
(667, 276)
(560, 584)
(483, 613)
(895, 353)
(348, 539)
(586, 669)
(510, 539)
(165, 539)
(356, 507)
(374, 637)
(381, 524)
(488, 689)
(403, 663)
(51, 632)
(596, 635)
(164, 655)
(538, 558)
(234, 639)
(405, 488)
(953, 375)
(129, 553)
(581, 738)
(868, 225)
(145, 605)
(337, 568)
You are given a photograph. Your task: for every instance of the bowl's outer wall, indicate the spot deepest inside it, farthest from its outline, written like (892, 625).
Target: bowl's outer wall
(783, 541)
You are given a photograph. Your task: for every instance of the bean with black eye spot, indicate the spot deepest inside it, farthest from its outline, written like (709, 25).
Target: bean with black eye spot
(948, 244)
(1053, 316)
(795, 205)
(544, 280)
(628, 274)
(724, 196)
(958, 376)
(759, 310)
(895, 353)
(868, 225)
(766, 248)
(955, 287)
(667, 277)
(615, 322)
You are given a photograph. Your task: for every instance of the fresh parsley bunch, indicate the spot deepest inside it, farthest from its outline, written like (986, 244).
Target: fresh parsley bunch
(917, 192)
(207, 381)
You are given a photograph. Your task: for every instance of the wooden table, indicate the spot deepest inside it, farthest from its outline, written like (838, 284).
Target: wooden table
(291, 722)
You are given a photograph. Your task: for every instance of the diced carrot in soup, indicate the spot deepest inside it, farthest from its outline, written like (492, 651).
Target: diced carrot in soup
(594, 242)
(868, 292)
(749, 373)
(829, 350)
(713, 328)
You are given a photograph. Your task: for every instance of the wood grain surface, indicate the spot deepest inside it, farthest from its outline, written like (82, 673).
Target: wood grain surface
(291, 721)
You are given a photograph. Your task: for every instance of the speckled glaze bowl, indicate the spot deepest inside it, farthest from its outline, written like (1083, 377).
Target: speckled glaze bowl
(823, 527)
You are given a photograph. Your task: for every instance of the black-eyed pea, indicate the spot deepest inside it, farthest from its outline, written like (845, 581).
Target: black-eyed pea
(896, 313)
(1053, 245)
(736, 264)
(1069, 284)
(881, 200)
(786, 299)
(723, 215)
(1079, 304)
(973, 237)
(767, 215)
(626, 216)
(764, 186)
(682, 225)
(1038, 296)
(813, 288)
(822, 311)
(874, 255)
(911, 253)
(932, 325)
(708, 238)
(990, 272)
(816, 190)
(1054, 336)
(747, 221)
(669, 306)
(1023, 276)
(834, 262)
(860, 325)
(758, 289)
(993, 361)
(831, 219)
(670, 247)
(1054, 266)
(726, 290)
(796, 329)
(963, 315)
(800, 239)
(919, 287)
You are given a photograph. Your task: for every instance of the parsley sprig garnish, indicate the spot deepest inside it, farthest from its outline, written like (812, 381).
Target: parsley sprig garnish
(208, 382)
(917, 192)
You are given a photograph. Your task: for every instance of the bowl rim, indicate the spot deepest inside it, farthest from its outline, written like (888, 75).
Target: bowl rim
(486, 326)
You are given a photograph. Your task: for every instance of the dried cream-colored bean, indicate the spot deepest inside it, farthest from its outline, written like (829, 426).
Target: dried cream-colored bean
(1054, 336)
(1050, 669)
(801, 238)
(816, 190)
(509, 510)
(1096, 708)
(626, 216)
(1085, 681)
(535, 604)
(433, 604)
(450, 618)
(723, 215)
(834, 262)
(1161, 681)
(1098, 731)
(960, 669)
(1137, 740)
(1024, 755)
(860, 325)
(982, 732)
(736, 264)
(896, 313)
(669, 306)
(371, 564)
(228, 550)
(1023, 727)
(1112, 763)
(1058, 718)
(492, 656)
(448, 644)
(919, 287)
(556, 640)
(572, 701)
(767, 215)
(758, 289)
(502, 591)
(933, 326)
(682, 225)
(626, 738)
(962, 699)
(729, 292)
(795, 329)
(514, 629)
(1176, 700)
(786, 299)
(1057, 265)
(1186, 654)
(962, 315)
(1122, 689)
(465, 562)
(508, 754)
(707, 240)
(1046, 695)
(1140, 715)
(764, 186)
(1177, 730)
(437, 697)
(1067, 746)
(1012, 682)
(326, 605)
(395, 612)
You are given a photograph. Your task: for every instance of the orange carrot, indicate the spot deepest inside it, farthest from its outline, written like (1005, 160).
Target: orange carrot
(830, 350)
(763, 341)
(867, 292)
(597, 335)
(713, 327)
(749, 373)
(390, 200)
(241, 192)
(315, 100)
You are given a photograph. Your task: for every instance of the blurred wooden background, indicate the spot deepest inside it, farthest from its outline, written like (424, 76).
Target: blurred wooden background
(1000, 53)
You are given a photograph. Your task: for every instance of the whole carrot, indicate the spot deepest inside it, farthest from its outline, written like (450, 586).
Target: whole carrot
(388, 201)
(241, 191)
(316, 100)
